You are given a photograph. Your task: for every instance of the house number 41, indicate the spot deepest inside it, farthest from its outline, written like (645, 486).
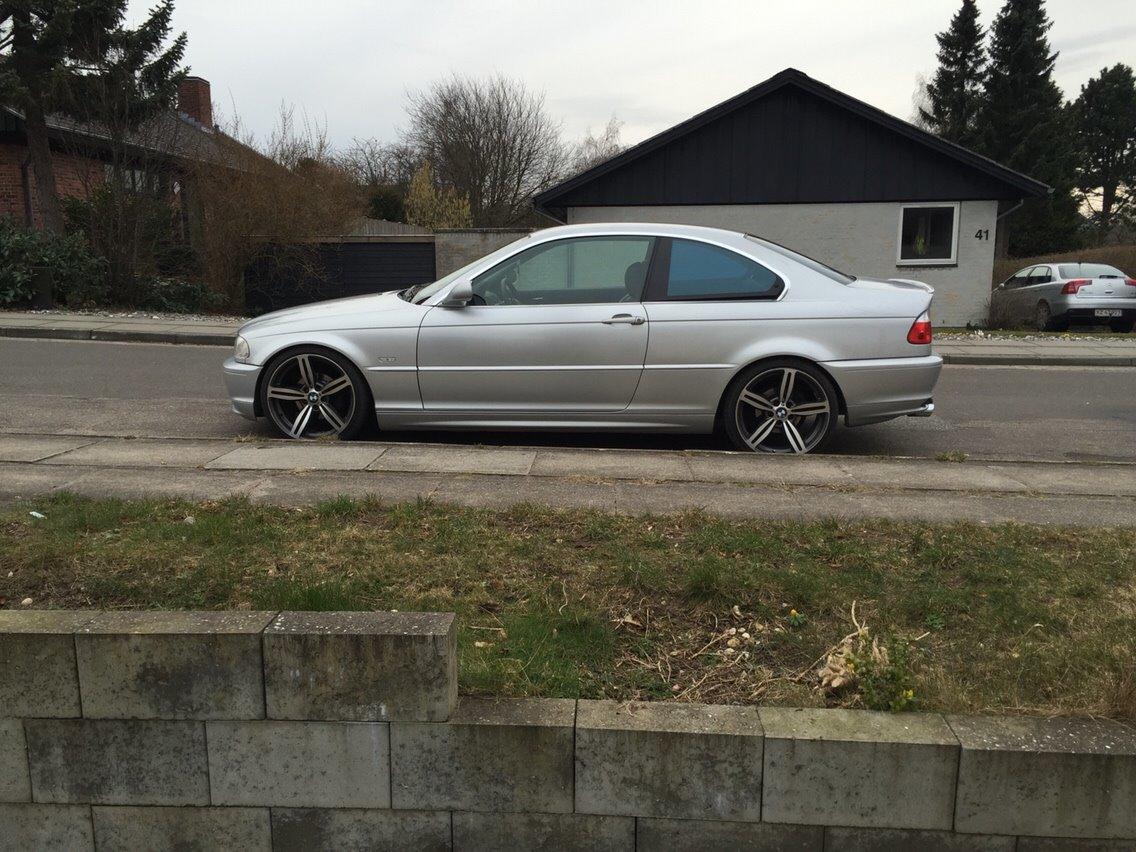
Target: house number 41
(982, 234)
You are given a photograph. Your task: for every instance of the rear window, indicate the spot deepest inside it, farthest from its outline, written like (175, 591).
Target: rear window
(1089, 270)
(815, 265)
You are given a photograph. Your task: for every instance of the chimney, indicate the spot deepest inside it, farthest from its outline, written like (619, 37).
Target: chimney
(195, 100)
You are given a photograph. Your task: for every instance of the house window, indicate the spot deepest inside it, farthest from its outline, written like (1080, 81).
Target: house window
(928, 235)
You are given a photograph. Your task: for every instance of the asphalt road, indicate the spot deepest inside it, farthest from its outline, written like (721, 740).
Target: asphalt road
(89, 388)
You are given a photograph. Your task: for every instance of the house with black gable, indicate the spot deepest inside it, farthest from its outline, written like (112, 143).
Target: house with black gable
(805, 165)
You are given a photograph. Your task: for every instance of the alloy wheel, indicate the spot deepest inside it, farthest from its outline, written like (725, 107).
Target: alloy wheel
(783, 410)
(310, 396)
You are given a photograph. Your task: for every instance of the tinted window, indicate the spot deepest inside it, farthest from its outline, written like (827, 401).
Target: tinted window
(702, 271)
(927, 234)
(580, 271)
(1039, 275)
(1089, 270)
(803, 259)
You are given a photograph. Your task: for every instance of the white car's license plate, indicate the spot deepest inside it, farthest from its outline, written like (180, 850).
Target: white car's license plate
(1104, 313)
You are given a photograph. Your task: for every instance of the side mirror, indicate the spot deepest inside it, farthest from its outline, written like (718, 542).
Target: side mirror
(459, 296)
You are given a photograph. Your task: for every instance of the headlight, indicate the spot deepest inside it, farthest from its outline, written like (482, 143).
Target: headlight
(241, 349)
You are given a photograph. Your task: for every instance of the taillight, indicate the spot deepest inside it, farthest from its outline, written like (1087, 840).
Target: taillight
(1131, 282)
(1071, 287)
(920, 333)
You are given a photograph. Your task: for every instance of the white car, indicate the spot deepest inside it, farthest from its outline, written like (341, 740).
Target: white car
(1051, 296)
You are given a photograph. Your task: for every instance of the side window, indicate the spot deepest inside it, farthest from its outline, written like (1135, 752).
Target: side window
(928, 235)
(703, 271)
(581, 271)
(1019, 279)
(1040, 275)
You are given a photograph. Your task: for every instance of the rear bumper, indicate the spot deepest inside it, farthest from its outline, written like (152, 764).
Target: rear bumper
(881, 389)
(1082, 311)
(240, 384)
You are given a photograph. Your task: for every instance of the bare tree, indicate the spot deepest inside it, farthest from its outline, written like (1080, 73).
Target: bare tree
(283, 193)
(488, 140)
(593, 150)
(373, 163)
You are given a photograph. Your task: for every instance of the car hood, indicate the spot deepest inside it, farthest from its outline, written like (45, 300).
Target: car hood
(336, 313)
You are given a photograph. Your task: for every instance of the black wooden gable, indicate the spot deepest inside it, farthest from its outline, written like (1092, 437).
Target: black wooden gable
(790, 140)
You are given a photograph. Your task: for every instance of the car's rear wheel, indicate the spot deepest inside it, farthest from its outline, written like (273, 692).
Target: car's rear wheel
(781, 406)
(313, 393)
(1123, 325)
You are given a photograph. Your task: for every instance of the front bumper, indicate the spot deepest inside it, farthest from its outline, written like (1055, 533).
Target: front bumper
(884, 388)
(240, 383)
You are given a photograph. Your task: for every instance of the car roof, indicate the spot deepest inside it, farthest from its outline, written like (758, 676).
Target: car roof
(653, 229)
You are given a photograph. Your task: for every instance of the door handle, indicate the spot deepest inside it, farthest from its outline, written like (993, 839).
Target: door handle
(624, 319)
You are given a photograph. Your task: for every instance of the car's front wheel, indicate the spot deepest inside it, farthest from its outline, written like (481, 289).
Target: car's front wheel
(1045, 321)
(781, 406)
(314, 393)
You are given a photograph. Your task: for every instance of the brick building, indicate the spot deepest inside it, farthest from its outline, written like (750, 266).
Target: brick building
(81, 151)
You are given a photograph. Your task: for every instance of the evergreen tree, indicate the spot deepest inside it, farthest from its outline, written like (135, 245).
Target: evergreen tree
(38, 44)
(1105, 120)
(132, 75)
(77, 57)
(1023, 124)
(955, 94)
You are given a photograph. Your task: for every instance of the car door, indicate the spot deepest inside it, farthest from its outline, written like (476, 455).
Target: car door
(1012, 298)
(1036, 290)
(706, 303)
(557, 327)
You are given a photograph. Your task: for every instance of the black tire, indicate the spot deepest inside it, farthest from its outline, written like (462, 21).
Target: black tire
(1044, 320)
(1123, 326)
(811, 430)
(331, 416)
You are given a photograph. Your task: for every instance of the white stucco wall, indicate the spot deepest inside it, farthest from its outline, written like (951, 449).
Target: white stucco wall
(856, 238)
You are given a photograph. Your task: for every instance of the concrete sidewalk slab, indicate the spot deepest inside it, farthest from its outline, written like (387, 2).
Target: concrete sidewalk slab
(32, 448)
(767, 470)
(299, 456)
(611, 464)
(490, 460)
(937, 476)
(132, 483)
(27, 481)
(142, 452)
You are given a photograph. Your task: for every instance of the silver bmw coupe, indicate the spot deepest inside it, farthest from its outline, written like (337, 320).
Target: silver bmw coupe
(637, 327)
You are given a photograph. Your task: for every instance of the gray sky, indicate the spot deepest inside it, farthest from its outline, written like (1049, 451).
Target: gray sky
(349, 63)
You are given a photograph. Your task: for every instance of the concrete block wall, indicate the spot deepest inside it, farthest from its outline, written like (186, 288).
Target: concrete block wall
(454, 248)
(312, 731)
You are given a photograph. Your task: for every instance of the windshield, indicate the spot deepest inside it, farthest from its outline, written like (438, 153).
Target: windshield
(422, 292)
(815, 265)
(1089, 270)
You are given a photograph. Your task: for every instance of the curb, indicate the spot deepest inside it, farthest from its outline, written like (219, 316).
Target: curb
(214, 339)
(118, 336)
(1039, 360)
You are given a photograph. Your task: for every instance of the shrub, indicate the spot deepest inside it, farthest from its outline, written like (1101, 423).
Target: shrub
(78, 277)
(178, 296)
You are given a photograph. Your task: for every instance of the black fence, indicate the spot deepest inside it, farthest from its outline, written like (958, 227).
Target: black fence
(286, 276)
